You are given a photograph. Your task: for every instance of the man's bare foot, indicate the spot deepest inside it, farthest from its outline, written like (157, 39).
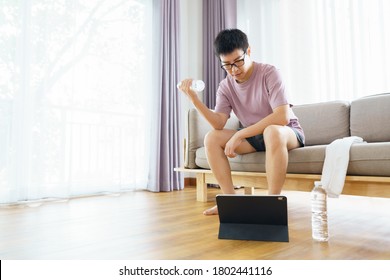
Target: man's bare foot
(211, 211)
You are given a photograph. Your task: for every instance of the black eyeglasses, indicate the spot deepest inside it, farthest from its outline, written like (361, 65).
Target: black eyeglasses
(237, 63)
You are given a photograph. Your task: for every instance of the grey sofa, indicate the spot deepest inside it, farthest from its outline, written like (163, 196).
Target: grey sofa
(369, 166)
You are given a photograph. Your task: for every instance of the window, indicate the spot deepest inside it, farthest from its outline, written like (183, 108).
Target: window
(73, 96)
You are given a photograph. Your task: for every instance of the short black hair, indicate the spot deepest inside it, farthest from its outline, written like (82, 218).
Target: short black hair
(228, 40)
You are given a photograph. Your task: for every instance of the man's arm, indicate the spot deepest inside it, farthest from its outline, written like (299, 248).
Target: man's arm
(216, 120)
(280, 116)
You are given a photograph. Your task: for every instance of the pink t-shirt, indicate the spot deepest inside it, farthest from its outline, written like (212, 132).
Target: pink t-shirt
(256, 98)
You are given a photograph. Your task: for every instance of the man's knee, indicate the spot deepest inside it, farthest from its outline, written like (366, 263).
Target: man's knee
(274, 136)
(211, 138)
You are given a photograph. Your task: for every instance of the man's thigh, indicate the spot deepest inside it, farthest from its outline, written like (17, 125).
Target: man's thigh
(224, 135)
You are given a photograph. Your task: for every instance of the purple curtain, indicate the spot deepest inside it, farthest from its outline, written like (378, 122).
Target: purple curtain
(217, 15)
(166, 156)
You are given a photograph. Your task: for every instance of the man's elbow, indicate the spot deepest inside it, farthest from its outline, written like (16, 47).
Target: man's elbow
(285, 120)
(219, 123)
(282, 115)
(218, 127)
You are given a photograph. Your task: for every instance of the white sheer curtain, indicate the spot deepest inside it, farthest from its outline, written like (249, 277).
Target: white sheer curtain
(73, 97)
(326, 49)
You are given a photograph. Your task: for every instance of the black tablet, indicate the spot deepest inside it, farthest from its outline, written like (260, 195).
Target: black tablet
(253, 217)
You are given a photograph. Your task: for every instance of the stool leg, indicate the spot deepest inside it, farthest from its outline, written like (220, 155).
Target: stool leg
(201, 187)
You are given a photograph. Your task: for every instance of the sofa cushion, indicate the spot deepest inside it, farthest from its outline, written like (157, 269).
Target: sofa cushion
(323, 122)
(307, 160)
(370, 159)
(366, 159)
(248, 162)
(302, 160)
(370, 118)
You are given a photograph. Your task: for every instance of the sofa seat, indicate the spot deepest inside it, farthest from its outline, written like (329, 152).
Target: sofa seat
(366, 159)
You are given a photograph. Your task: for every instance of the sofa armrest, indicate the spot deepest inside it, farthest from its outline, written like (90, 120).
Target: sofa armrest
(197, 128)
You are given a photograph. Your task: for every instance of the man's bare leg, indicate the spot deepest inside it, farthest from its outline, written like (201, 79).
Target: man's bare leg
(278, 141)
(215, 142)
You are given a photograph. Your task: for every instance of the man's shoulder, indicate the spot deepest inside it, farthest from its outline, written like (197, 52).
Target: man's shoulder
(268, 72)
(225, 87)
(224, 83)
(263, 68)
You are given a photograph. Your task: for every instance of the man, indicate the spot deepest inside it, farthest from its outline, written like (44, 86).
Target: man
(256, 94)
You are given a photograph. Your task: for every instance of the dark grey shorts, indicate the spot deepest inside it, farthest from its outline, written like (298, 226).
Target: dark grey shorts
(257, 141)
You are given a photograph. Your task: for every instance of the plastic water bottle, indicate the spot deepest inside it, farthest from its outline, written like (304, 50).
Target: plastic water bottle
(197, 85)
(319, 215)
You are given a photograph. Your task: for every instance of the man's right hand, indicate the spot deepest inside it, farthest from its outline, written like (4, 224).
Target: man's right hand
(185, 87)
(216, 120)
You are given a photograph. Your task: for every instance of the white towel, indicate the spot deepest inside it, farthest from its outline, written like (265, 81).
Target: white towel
(336, 164)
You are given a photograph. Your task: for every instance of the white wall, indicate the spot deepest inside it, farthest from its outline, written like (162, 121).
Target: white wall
(191, 49)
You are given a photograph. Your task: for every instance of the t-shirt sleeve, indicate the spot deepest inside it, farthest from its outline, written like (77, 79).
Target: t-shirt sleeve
(276, 88)
(222, 104)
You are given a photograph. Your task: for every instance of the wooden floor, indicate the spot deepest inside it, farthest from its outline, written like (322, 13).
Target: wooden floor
(143, 225)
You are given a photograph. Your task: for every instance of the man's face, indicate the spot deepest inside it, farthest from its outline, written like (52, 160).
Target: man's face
(236, 64)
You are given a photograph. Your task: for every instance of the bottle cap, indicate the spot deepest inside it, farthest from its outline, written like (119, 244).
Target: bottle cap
(198, 85)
